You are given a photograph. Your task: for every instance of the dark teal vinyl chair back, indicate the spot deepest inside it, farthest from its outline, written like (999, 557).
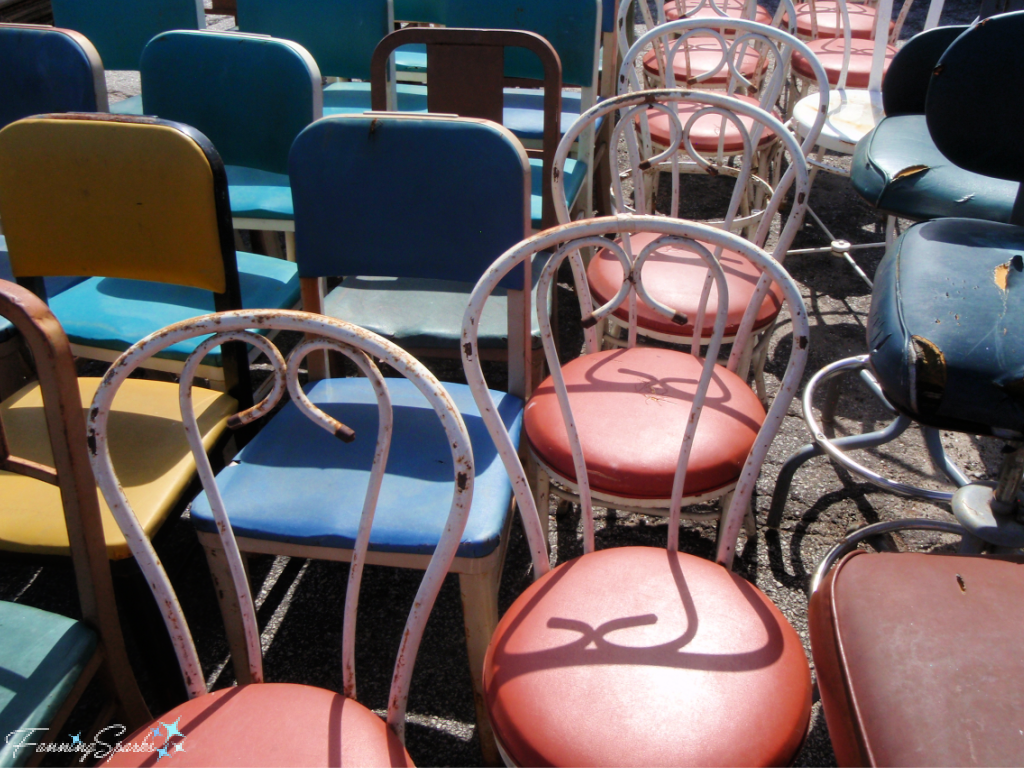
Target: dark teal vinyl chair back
(120, 29)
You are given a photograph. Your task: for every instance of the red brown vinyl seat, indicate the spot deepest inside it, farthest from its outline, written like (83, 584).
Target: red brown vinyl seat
(830, 19)
(269, 724)
(631, 407)
(706, 130)
(676, 278)
(702, 56)
(581, 672)
(830, 53)
(733, 8)
(919, 660)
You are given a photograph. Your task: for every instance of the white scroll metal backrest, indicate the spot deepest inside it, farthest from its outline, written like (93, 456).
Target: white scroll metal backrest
(565, 242)
(629, 107)
(322, 333)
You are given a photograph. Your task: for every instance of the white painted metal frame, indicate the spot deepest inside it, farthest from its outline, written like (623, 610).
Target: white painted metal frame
(323, 333)
(566, 241)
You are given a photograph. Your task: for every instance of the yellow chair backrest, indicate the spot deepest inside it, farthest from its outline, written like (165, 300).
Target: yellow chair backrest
(115, 196)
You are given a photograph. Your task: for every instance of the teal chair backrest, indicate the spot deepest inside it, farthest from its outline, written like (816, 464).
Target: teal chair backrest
(120, 29)
(250, 95)
(340, 34)
(48, 70)
(572, 26)
(407, 196)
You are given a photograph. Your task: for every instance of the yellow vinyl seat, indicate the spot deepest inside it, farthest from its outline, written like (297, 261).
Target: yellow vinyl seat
(149, 451)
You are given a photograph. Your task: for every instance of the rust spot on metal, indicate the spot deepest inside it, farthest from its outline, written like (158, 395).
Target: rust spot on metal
(960, 582)
(712, 171)
(589, 321)
(373, 126)
(645, 165)
(468, 349)
(234, 422)
(802, 342)
(800, 198)
(555, 173)
(345, 434)
(680, 319)
(91, 440)
(910, 170)
(463, 480)
(938, 70)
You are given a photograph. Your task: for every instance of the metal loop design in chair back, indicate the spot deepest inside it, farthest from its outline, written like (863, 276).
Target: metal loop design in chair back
(363, 348)
(692, 238)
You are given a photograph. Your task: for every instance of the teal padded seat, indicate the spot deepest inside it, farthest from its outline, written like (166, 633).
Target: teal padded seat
(313, 494)
(54, 286)
(42, 655)
(120, 29)
(898, 169)
(114, 313)
(249, 95)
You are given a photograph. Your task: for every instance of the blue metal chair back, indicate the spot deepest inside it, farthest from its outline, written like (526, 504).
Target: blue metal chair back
(48, 70)
(407, 196)
(340, 34)
(120, 29)
(250, 95)
(975, 103)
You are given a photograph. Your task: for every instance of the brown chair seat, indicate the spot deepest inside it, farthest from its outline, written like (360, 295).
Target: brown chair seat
(631, 407)
(706, 130)
(862, 19)
(732, 8)
(919, 659)
(676, 279)
(640, 656)
(268, 724)
(830, 53)
(704, 55)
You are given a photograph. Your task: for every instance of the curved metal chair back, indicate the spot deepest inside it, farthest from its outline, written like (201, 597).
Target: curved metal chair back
(65, 425)
(48, 70)
(120, 29)
(566, 242)
(753, 202)
(363, 348)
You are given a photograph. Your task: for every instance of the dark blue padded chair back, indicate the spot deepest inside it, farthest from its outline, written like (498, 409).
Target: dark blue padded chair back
(48, 70)
(340, 34)
(120, 29)
(571, 26)
(426, 197)
(250, 95)
(906, 81)
(975, 102)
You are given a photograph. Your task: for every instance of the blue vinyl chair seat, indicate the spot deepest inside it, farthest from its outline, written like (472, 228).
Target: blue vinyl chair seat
(312, 493)
(946, 328)
(412, 59)
(42, 655)
(422, 313)
(112, 313)
(130, 106)
(259, 194)
(54, 285)
(902, 144)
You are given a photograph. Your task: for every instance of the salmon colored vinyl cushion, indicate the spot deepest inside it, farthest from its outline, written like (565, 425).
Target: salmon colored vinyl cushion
(830, 19)
(733, 9)
(631, 407)
(675, 277)
(830, 53)
(266, 724)
(637, 656)
(704, 55)
(705, 132)
(918, 658)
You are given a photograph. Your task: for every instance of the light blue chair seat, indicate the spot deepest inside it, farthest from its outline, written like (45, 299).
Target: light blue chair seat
(421, 313)
(130, 106)
(42, 655)
(354, 98)
(312, 493)
(259, 194)
(113, 313)
(411, 59)
(54, 285)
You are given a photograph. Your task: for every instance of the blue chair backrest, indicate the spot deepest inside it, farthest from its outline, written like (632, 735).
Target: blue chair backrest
(250, 95)
(48, 70)
(975, 103)
(407, 196)
(340, 34)
(120, 29)
(571, 26)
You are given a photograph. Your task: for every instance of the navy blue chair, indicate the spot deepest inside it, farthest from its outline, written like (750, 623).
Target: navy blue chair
(419, 207)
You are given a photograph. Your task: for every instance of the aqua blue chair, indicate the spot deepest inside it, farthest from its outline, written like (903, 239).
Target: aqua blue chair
(120, 29)
(251, 95)
(144, 217)
(426, 203)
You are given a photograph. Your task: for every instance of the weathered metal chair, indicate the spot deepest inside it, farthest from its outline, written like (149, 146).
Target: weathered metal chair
(944, 332)
(154, 251)
(642, 429)
(46, 660)
(428, 203)
(676, 118)
(250, 96)
(274, 724)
